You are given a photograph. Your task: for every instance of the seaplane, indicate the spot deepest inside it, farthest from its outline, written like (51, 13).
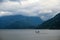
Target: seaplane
(37, 31)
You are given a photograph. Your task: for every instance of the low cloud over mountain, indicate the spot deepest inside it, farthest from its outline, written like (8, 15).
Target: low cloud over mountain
(29, 7)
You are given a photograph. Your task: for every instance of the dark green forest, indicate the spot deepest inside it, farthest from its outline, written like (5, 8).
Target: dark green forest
(19, 22)
(53, 23)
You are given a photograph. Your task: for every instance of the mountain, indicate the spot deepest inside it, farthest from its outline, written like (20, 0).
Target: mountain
(53, 23)
(19, 22)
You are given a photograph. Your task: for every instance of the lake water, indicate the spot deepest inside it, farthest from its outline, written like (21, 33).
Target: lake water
(29, 34)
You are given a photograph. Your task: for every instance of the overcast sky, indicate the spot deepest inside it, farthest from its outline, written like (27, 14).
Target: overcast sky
(40, 8)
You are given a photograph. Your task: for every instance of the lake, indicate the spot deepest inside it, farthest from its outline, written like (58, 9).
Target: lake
(29, 34)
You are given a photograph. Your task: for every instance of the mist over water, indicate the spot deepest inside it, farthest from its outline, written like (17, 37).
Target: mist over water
(29, 34)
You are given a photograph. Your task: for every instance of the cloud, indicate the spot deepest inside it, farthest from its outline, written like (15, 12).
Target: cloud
(14, 0)
(0, 0)
(30, 7)
(9, 6)
(2, 13)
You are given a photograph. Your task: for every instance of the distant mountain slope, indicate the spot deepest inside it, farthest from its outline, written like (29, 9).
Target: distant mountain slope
(19, 21)
(53, 23)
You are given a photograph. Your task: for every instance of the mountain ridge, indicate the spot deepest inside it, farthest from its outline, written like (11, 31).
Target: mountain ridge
(53, 23)
(7, 21)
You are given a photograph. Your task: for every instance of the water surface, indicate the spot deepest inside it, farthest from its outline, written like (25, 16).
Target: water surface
(29, 34)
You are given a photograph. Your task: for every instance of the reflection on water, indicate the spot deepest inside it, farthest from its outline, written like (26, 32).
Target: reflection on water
(27, 34)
